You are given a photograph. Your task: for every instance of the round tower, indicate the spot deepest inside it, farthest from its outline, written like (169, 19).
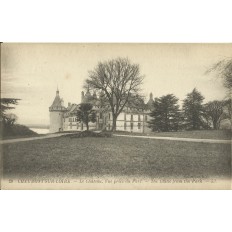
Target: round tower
(56, 114)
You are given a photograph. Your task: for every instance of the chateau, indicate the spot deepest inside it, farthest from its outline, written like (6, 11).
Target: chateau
(133, 118)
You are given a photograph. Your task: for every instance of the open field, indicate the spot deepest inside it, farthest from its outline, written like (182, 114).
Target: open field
(116, 156)
(198, 134)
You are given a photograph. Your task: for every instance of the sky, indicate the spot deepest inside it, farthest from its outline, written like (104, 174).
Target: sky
(32, 72)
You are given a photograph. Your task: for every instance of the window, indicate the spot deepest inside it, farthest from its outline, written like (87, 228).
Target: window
(124, 125)
(132, 117)
(109, 126)
(145, 118)
(70, 125)
(100, 115)
(81, 126)
(109, 116)
(139, 125)
(132, 126)
(139, 118)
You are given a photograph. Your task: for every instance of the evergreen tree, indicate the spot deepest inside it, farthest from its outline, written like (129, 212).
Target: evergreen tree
(86, 114)
(6, 104)
(7, 120)
(194, 110)
(166, 114)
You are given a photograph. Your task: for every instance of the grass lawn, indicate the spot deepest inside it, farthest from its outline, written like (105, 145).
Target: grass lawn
(20, 136)
(116, 156)
(199, 134)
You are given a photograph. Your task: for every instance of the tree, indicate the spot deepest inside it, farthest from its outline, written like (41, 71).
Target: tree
(7, 120)
(214, 111)
(6, 104)
(119, 81)
(10, 120)
(228, 109)
(86, 114)
(166, 114)
(194, 110)
(223, 69)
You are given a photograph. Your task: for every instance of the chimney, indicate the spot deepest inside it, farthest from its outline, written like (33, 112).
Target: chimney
(69, 104)
(151, 96)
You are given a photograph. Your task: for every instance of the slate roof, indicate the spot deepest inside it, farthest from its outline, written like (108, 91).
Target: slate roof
(138, 103)
(57, 103)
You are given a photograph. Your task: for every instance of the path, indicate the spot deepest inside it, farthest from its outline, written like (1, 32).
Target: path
(132, 136)
(179, 139)
(31, 138)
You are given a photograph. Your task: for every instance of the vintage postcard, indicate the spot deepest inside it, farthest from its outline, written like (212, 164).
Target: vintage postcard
(115, 116)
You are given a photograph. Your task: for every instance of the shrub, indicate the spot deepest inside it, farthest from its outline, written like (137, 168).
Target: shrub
(105, 134)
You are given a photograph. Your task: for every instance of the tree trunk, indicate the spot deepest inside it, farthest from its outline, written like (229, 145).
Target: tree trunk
(218, 124)
(215, 126)
(114, 123)
(87, 126)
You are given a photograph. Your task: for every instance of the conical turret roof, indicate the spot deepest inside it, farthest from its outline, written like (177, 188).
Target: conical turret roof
(57, 103)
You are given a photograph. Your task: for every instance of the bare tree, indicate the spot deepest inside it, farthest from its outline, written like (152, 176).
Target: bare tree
(223, 69)
(119, 81)
(214, 110)
(228, 108)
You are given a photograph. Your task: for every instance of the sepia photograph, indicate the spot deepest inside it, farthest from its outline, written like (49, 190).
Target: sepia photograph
(116, 116)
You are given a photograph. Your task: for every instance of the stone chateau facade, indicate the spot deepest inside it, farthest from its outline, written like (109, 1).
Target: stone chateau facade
(133, 118)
